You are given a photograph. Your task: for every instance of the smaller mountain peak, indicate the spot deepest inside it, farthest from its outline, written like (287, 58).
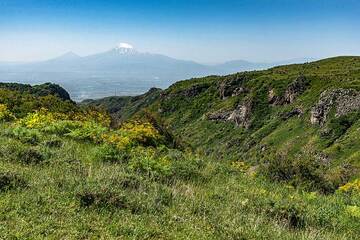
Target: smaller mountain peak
(69, 56)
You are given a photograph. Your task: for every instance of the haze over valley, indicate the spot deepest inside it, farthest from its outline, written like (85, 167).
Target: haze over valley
(121, 71)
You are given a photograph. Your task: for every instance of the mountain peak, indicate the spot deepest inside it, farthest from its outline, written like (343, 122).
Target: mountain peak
(124, 48)
(68, 56)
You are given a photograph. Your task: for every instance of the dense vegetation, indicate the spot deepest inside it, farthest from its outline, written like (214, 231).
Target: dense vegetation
(233, 157)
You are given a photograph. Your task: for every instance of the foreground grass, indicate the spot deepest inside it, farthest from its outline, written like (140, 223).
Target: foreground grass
(72, 195)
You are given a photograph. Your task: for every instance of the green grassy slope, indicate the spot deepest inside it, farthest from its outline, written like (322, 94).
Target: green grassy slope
(66, 174)
(271, 132)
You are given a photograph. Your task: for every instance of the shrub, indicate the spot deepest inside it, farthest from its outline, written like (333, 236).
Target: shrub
(9, 181)
(53, 143)
(5, 114)
(350, 187)
(186, 167)
(299, 171)
(90, 131)
(145, 161)
(25, 135)
(289, 210)
(61, 127)
(102, 199)
(38, 119)
(337, 127)
(109, 153)
(143, 133)
(30, 156)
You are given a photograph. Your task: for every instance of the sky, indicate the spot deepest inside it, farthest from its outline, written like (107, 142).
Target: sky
(206, 31)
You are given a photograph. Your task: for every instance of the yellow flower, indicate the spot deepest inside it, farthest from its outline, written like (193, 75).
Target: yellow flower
(240, 166)
(353, 211)
(5, 114)
(351, 186)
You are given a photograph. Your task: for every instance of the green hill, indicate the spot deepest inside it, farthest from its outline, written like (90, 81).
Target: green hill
(277, 119)
(270, 154)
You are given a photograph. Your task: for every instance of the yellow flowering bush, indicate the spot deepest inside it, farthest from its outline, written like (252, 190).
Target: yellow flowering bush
(353, 211)
(38, 119)
(351, 186)
(142, 132)
(5, 114)
(116, 139)
(92, 115)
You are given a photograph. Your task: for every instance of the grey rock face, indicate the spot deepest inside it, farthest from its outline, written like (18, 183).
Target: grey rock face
(343, 100)
(297, 87)
(241, 115)
(275, 99)
(221, 116)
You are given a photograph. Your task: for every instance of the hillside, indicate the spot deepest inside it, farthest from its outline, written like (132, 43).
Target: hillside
(285, 115)
(270, 154)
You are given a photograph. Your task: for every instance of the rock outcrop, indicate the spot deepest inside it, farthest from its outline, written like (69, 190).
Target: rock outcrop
(295, 112)
(241, 115)
(343, 101)
(191, 91)
(232, 86)
(294, 89)
(274, 99)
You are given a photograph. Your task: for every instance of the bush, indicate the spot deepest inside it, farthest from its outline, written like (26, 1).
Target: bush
(5, 114)
(109, 153)
(90, 131)
(186, 167)
(53, 143)
(351, 187)
(146, 161)
(62, 127)
(30, 156)
(102, 199)
(289, 210)
(337, 127)
(302, 170)
(25, 135)
(9, 181)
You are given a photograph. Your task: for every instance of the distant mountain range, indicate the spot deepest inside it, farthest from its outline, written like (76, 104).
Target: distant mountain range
(119, 71)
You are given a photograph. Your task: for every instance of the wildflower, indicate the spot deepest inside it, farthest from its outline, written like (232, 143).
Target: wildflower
(351, 186)
(353, 211)
(5, 114)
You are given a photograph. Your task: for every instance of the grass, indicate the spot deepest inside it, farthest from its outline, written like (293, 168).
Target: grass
(65, 174)
(72, 195)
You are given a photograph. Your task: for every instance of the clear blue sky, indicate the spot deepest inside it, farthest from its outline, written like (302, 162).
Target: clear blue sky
(200, 30)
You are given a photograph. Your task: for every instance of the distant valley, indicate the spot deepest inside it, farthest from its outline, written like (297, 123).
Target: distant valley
(119, 71)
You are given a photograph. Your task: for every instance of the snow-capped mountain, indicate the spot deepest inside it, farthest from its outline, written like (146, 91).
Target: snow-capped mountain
(122, 69)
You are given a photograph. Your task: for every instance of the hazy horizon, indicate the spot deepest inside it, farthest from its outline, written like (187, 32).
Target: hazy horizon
(203, 31)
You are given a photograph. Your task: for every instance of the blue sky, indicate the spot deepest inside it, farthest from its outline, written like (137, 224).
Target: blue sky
(201, 30)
